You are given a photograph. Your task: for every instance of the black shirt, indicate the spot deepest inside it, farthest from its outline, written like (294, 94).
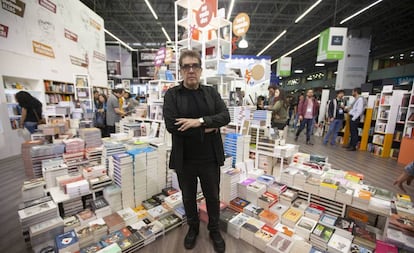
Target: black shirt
(30, 108)
(197, 149)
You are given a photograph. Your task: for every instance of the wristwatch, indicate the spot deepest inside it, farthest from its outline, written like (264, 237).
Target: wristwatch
(201, 120)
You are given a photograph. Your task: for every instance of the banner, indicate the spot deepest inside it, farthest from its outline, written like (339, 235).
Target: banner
(284, 65)
(332, 44)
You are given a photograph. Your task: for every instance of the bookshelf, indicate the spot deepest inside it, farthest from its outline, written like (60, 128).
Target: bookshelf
(101, 90)
(83, 91)
(405, 155)
(383, 143)
(157, 89)
(56, 92)
(369, 122)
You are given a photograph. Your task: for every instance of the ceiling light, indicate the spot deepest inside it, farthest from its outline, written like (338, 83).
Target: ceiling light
(307, 11)
(391, 57)
(280, 77)
(309, 78)
(230, 9)
(243, 43)
(319, 64)
(402, 55)
(360, 11)
(271, 43)
(151, 9)
(166, 34)
(119, 40)
(411, 55)
(401, 58)
(298, 71)
(336, 72)
(297, 48)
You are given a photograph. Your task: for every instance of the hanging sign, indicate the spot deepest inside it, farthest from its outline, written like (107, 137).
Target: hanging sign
(168, 56)
(332, 44)
(284, 65)
(206, 12)
(160, 57)
(241, 24)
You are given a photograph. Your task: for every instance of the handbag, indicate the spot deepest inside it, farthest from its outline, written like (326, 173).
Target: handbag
(40, 121)
(100, 119)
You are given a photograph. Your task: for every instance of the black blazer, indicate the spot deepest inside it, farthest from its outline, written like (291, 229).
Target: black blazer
(175, 106)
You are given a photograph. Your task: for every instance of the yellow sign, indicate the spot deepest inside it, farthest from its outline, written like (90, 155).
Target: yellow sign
(241, 24)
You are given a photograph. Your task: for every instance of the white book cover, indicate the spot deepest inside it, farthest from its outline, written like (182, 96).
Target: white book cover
(339, 243)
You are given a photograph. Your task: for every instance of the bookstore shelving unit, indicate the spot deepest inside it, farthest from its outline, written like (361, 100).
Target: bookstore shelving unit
(399, 126)
(369, 122)
(157, 89)
(56, 92)
(390, 101)
(83, 91)
(407, 143)
(101, 90)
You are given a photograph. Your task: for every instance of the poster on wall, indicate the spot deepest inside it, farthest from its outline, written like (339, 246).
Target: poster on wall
(83, 92)
(254, 69)
(66, 35)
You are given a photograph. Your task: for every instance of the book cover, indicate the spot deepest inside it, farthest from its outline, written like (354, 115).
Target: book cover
(92, 248)
(170, 221)
(323, 232)
(150, 203)
(169, 191)
(360, 232)
(345, 224)
(66, 239)
(292, 215)
(328, 219)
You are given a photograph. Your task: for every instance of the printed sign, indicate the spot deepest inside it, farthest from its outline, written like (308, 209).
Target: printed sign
(160, 57)
(95, 24)
(284, 65)
(71, 35)
(331, 44)
(16, 7)
(4, 31)
(241, 24)
(206, 12)
(48, 5)
(168, 56)
(42, 49)
(99, 55)
(79, 61)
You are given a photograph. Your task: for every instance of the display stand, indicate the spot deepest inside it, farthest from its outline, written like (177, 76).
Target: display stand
(407, 143)
(366, 130)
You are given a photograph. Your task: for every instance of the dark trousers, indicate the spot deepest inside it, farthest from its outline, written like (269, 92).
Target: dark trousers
(308, 123)
(353, 128)
(209, 175)
(110, 130)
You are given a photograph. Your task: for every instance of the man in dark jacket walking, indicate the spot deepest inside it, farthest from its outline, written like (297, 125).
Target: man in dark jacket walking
(335, 117)
(193, 114)
(308, 108)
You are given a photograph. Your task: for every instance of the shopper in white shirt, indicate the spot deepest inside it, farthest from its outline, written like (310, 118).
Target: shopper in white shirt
(355, 114)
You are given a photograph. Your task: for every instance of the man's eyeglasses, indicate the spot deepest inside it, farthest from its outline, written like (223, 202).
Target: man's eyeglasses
(187, 67)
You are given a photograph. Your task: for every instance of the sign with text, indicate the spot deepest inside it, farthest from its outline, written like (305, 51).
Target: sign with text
(168, 56)
(16, 7)
(4, 31)
(284, 65)
(241, 24)
(332, 44)
(160, 57)
(48, 5)
(71, 35)
(43, 49)
(206, 12)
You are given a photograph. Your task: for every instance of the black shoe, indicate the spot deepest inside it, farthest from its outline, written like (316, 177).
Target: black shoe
(347, 146)
(296, 138)
(218, 241)
(309, 143)
(351, 149)
(191, 237)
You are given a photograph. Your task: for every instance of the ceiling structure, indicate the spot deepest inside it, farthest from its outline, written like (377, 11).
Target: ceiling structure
(390, 24)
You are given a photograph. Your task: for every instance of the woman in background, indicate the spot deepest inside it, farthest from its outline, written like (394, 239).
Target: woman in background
(100, 115)
(31, 110)
(279, 110)
(260, 103)
(130, 102)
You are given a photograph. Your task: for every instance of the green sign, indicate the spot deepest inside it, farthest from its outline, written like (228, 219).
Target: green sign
(332, 44)
(284, 65)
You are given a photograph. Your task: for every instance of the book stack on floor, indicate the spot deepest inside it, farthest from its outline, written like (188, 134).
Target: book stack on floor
(43, 233)
(91, 172)
(321, 235)
(94, 155)
(242, 187)
(291, 217)
(225, 216)
(129, 216)
(101, 207)
(339, 244)
(140, 174)
(300, 204)
(344, 227)
(233, 146)
(98, 228)
(254, 191)
(35, 214)
(98, 183)
(149, 230)
(174, 200)
(249, 229)
(160, 197)
(266, 180)
(44, 152)
(158, 212)
(288, 175)
(253, 210)
(170, 222)
(112, 194)
(91, 136)
(361, 199)
(279, 244)
(85, 236)
(114, 222)
(72, 206)
(263, 236)
(304, 227)
(52, 169)
(74, 149)
(152, 172)
(33, 189)
(238, 204)
(236, 223)
(228, 184)
(180, 212)
(268, 217)
(67, 242)
(121, 165)
(267, 200)
(150, 203)
(288, 197)
(328, 220)
(300, 179)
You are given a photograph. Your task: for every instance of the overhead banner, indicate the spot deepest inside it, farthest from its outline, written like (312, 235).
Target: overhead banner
(332, 44)
(284, 65)
(241, 24)
(206, 11)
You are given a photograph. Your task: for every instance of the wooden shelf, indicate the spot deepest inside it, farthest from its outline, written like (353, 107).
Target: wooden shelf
(60, 93)
(378, 144)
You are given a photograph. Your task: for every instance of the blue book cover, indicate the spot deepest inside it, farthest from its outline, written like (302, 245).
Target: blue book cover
(66, 239)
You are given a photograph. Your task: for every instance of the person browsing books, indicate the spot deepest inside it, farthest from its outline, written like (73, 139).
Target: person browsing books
(193, 114)
(406, 176)
(31, 110)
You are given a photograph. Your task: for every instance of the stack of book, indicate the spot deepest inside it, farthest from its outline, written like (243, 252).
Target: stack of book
(85, 217)
(170, 222)
(300, 204)
(67, 242)
(112, 194)
(288, 175)
(132, 243)
(238, 204)
(361, 199)
(254, 191)
(269, 218)
(62, 181)
(379, 206)
(300, 179)
(344, 227)
(74, 149)
(228, 184)
(98, 228)
(266, 180)
(267, 200)
(291, 217)
(122, 165)
(44, 232)
(253, 210)
(312, 185)
(91, 136)
(300, 246)
(150, 203)
(236, 223)
(242, 187)
(160, 197)
(44, 152)
(101, 207)
(279, 209)
(94, 171)
(129, 216)
(174, 200)
(70, 222)
(249, 229)
(364, 237)
(321, 235)
(339, 244)
(263, 236)
(304, 227)
(140, 174)
(327, 188)
(85, 236)
(52, 169)
(27, 157)
(152, 172)
(109, 149)
(277, 188)
(94, 155)
(280, 243)
(78, 188)
(180, 212)
(158, 212)
(112, 248)
(149, 230)
(114, 222)
(328, 220)
(314, 211)
(404, 201)
(344, 195)
(72, 206)
(118, 237)
(225, 216)
(288, 197)
(233, 146)
(169, 191)
(98, 183)
(33, 189)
